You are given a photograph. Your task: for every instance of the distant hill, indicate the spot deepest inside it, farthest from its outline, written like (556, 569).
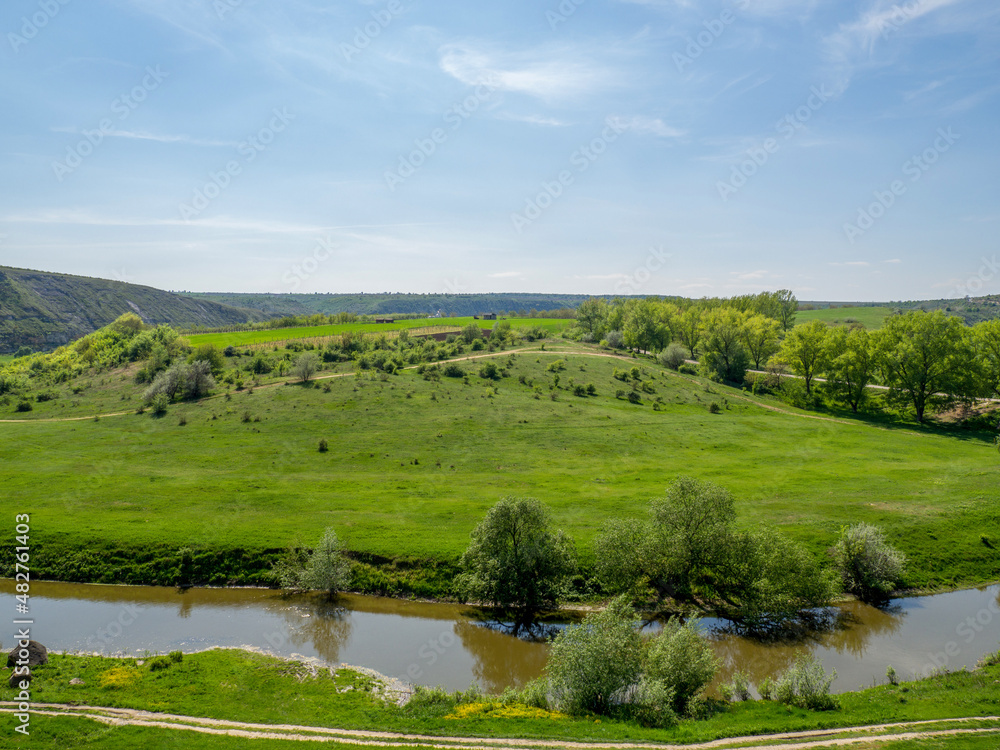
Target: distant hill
(45, 310)
(377, 304)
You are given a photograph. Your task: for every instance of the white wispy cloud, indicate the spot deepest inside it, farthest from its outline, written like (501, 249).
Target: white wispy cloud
(548, 73)
(158, 137)
(647, 126)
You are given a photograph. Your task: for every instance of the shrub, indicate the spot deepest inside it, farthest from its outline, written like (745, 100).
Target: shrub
(869, 567)
(738, 688)
(890, 674)
(594, 665)
(24, 406)
(557, 365)
(323, 447)
(489, 371)
(766, 689)
(682, 660)
(580, 390)
(158, 663)
(591, 389)
(806, 684)
(229, 351)
(453, 371)
(713, 408)
(176, 656)
(634, 397)
(673, 356)
(687, 370)
(158, 404)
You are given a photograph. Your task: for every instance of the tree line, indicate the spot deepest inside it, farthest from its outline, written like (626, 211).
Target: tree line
(924, 359)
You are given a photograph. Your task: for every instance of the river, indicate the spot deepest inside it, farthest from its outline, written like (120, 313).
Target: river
(446, 644)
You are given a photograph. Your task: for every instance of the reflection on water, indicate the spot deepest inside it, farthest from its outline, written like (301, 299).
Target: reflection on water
(500, 660)
(450, 645)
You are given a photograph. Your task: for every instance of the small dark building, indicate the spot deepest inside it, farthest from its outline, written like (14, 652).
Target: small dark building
(385, 320)
(489, 316)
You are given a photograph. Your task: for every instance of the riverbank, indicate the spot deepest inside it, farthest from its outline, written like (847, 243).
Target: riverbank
(239, 686)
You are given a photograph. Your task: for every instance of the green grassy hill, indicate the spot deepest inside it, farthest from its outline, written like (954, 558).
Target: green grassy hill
(414, 464)
(379, 304)
(45, 310)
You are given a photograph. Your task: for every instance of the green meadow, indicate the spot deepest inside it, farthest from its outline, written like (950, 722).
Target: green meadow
(267, 335)
(869, 317)
(414, 463)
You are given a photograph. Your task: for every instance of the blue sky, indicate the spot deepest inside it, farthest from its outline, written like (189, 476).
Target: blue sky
(844, 150)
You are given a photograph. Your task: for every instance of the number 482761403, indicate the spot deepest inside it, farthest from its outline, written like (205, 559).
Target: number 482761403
(22, 557)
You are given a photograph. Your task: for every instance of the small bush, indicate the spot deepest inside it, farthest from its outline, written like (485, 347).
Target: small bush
(766, 689)
(159, 663)
(580, 390)
(869, 567)
(593, 665)
(176, 656)
(323, 447)
(687, 370)
(158, 404)
(806, 684)
(24, 406)
(890, 674)
(634, 397)
(714, 408)
(591, 389)
(182, 421)
(683, 661)
(738, 688)
(614, 340)
(673, 356)
(453, 371)
(489, 371)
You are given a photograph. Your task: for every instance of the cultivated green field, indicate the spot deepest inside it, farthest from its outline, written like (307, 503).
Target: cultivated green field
(244, 338)
(240, 686)
(414, 464)
(869, 317)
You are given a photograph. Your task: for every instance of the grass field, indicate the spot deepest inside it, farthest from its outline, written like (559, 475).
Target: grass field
(239, 686)
(869, 317)
(414, 464)
(243, 338)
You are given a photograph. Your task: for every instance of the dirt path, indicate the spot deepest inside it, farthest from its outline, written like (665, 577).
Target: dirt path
(840, 737)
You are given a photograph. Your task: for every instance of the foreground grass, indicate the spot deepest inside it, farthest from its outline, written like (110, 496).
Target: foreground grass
(241, 686)
(414, 464)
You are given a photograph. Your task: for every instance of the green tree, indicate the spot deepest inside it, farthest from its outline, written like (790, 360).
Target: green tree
(691, 524)
(689, 329)
(306, 366)
(515, 561)
(470, 333)
(767, 580)
(593, 666)
(805, 351)
(325, 568)
(210, 353)
(787, 306)
(986, 338)
(723, 354)
(852, 364)
(760, 338)
(591, 314)
(925, 359)
(640, 329)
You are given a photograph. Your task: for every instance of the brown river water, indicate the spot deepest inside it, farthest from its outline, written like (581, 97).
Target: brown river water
(448, 645)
